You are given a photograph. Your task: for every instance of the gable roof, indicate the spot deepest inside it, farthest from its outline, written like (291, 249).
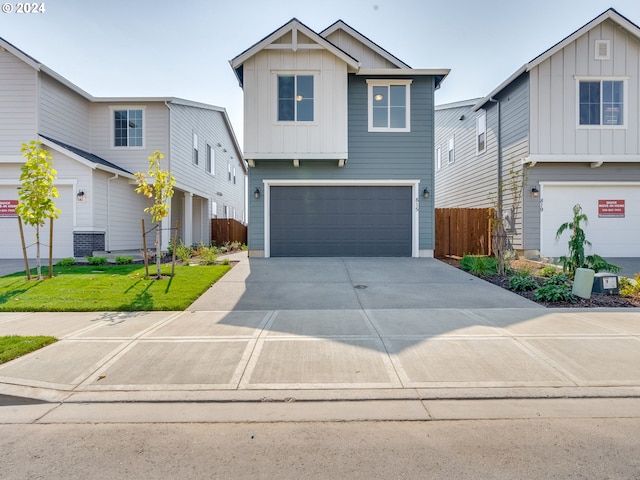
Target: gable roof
(341, 25)
(98, 162)
(610, 14)
(294, 25)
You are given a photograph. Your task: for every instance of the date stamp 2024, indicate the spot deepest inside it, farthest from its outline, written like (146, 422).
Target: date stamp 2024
(23, 8)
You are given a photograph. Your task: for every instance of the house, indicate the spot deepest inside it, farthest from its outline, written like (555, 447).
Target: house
(569, 119)
(339, 141)
(97, 145)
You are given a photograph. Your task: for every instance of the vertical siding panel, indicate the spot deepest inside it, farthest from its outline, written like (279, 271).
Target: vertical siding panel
(569, 98)
(557, 104)
(534, 115)
(544, 88)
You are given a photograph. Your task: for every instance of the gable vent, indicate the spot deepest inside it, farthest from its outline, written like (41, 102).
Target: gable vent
(603, 50)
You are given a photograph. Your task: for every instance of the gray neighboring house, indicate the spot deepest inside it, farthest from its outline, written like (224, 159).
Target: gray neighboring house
(97, 145)
(339, 140)
(571, 116)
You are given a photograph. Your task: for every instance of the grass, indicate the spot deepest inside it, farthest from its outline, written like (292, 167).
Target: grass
(107, 288)
(14, 346)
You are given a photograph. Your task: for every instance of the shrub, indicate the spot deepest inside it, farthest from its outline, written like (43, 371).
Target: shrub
(225, 261)
(548, 271)
(522, 282)
(628, 288)
(599, 264)
(96, 260)
(207, 254)
(183, 252)
(123, 260)
(479, 265)
(66, 262)
(554, 293)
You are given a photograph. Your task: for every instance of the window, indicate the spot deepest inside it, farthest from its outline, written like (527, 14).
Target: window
(214, 209)
(438, 158)
(389, 105)
(234, 175)
(225, 211)
(451, 156)
(229, 171)
(481, 132)
(211, 160)
(195, 148)
(127, 128)
(295, 98)
(601, 102)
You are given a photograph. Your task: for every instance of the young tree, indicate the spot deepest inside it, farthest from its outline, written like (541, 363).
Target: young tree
(37, 191)
(160, 189)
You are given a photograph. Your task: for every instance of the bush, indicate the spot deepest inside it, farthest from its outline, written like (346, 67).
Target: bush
(599, 264)
(207, 254)
(96, 260)
(184, 252)
(522, 282)
(556, 288)
(479, 265)
(548, 271)
(124, 260)
(628, 288)
(225, 261)
(66, 262)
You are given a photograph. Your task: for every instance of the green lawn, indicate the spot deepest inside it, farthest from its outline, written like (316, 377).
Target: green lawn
(13, 346)
(107, 288)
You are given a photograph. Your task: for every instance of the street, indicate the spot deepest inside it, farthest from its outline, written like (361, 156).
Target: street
(496, 449)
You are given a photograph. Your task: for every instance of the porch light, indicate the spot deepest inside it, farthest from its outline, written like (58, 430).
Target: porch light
(256, 193)
(80, 195)
(425, 193)
(535, 192)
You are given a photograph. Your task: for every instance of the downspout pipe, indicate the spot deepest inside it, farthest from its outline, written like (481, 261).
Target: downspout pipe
(499, 142)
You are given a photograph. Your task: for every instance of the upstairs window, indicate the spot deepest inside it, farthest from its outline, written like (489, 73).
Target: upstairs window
(211, 159)
(601, 103)
(389, 105)
(481, 132)
(451, 153)
(295, 98)
(438, 158)
(195, 148)
(127, 128)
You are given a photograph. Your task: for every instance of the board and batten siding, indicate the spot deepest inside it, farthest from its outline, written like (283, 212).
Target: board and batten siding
(64, 114)
(18, 105)
(372, 156)
(554, 123)
(264, 136)
(368, 58)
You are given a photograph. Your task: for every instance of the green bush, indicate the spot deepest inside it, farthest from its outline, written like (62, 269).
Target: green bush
(628, 288)
(599, 264)
(554, 293)
(207, 254)
(548, 271)
(479, 265)
(225, 261)
(96, 260)
(522, 282)
(183, 252)
(124, 260)
(66, 262)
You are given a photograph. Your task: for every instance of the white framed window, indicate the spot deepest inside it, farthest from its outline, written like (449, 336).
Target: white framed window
(225, 211)
(214, 209)
(128, 126)
(389, 105)
(211, 160)
(229, 171)
(195, 148)
(451, 157)
(481, 132)
(234, 175)
(295, 98)
(438, 158)
(601, 102)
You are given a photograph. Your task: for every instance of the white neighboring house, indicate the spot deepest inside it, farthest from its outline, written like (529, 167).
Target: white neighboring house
(97, 144)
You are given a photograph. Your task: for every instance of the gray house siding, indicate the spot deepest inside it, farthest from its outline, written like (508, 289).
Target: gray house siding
(372, 156)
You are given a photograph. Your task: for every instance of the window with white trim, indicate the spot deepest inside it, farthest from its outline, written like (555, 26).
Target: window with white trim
(234, 175)
(229, 171)
(211, 160)
(450, 152)
(127, 128)
(481, 132)
(195, 148)
(295, 98)
(438, 158)
(389, 105)
(601, 102)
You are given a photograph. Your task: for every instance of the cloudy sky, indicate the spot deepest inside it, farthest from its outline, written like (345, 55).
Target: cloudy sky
(182, 48)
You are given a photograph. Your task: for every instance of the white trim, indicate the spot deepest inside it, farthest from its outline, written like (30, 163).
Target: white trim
(112, 126)
(438, 158)
(403, 71)
(388, 83)
(533, 159)
(252, 156)
(482, 114)
(625, 102)
(275, 75)
(414, 184)
(451, 147)
(607, 48)
(586, 183)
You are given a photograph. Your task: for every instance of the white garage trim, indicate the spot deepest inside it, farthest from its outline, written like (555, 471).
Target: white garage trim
(414, 184)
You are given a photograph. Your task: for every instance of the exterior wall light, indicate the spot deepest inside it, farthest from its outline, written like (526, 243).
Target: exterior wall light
(256, 193)
(535, 192)
(80, 196)
(425, 193)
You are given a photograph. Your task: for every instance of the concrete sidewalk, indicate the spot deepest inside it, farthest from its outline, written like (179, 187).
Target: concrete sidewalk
(364, 356)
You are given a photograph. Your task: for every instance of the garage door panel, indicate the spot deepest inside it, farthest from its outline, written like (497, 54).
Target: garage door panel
(340, 220)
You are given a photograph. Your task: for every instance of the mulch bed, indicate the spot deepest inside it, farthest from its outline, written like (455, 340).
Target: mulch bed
(596, 301)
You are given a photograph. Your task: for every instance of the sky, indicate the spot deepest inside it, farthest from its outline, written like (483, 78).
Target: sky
(182, 48)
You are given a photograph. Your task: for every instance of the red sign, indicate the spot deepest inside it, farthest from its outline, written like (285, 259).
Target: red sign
(8, 208)
(611, 208)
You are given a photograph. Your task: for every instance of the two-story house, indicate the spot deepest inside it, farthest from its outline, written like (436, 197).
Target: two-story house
(571, 118)
(97, 145)
(338, 135)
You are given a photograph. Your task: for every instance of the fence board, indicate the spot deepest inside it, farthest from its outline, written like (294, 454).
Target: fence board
(227, 230)
(462, 231)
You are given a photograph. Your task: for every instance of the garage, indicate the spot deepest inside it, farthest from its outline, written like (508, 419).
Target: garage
(340, 220)
(613, 216)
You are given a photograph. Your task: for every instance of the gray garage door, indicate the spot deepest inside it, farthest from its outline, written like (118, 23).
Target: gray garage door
(341, 221)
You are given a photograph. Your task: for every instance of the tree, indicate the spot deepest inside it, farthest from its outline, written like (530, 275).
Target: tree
(160, 190)
(37, 191)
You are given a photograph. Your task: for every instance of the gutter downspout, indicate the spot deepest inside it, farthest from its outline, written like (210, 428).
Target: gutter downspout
(108, 245)
(499, 139)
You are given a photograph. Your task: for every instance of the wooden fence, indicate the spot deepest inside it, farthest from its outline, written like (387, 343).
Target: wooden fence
(225, 230)
(461, 231)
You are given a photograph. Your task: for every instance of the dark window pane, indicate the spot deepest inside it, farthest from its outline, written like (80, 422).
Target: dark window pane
(594, 114)
(380, 117)
(285, 110)
(285, 87)
(305, 86)
(380, 97)
(398, 117)
(398, 95)
(305, 110)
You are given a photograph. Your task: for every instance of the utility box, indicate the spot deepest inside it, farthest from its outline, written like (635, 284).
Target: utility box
(605, 283)
(583, 282)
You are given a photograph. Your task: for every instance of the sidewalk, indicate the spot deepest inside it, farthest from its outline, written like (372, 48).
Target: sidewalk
(347, 363)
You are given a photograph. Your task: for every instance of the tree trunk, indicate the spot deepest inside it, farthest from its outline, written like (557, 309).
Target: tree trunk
(158, 250)
(38, 264)
(24, 250)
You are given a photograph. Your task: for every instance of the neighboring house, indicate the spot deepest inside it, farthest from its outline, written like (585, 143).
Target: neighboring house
(339, 139)
(571, 116)
(97, 145)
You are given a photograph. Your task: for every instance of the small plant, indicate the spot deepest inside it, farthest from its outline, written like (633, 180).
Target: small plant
(96, 260)
(577, 241)
(225, 261)
(124, 260)
(235, 246)
(547, 271)
(207, 254)
(599, 264)
(479, 265)
(66, 262)
(558, 279)
(522, 282)
(184, 252)
(556, 288)
(629, 288)
(244, 247)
